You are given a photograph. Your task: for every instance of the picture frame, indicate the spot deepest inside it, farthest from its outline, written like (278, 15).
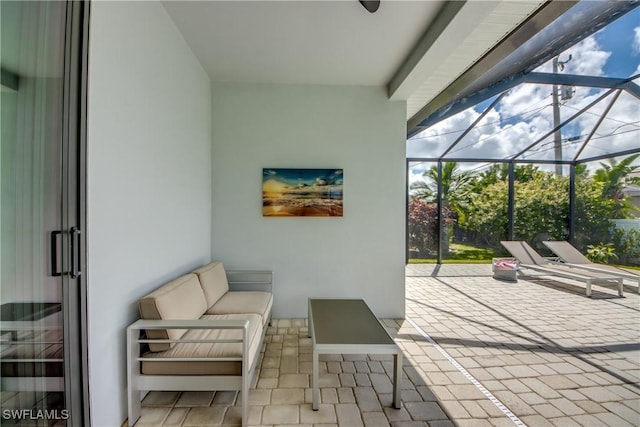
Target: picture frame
(295, 192)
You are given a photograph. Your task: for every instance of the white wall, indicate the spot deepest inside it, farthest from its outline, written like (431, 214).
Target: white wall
(354, 128)
(149, 178)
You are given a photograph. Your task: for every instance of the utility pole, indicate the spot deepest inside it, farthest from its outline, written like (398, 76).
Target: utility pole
(557, 135)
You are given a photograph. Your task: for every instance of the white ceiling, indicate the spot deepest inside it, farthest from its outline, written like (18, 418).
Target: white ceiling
(401, 46)
(305, 42)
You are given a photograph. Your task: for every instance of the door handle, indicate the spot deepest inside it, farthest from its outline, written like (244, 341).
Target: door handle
(74, 263)
(75, 253)
(53, 252)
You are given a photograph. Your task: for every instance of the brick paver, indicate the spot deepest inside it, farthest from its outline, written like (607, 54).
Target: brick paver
(549, 353)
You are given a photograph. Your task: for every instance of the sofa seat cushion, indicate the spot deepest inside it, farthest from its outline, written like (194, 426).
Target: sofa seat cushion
(199, 350)
(181, 298)
(244, 302)
(213, 280)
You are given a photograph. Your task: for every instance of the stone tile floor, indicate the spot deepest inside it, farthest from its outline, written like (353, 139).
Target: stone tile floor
(478, 352)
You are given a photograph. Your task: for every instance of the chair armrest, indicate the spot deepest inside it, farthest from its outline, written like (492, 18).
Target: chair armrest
(190, 324)
(134, 339)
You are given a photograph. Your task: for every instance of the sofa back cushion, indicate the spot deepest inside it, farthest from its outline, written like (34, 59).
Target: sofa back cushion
(181, 298)
(213, 280)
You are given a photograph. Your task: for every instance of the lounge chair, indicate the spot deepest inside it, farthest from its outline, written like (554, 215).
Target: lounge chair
(573, 257)
(530, 259)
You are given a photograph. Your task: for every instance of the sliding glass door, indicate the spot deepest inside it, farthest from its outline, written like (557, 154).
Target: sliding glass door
(42, 59)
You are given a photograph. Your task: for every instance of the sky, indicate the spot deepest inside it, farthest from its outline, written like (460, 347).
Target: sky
(525, 114)
(282, 179)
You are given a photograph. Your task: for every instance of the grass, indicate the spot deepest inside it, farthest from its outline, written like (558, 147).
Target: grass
(466, 254)
(461, 254)
(448, 261)
(628, 267)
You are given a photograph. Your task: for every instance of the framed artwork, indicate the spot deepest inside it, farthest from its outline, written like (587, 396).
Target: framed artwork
(301, 192)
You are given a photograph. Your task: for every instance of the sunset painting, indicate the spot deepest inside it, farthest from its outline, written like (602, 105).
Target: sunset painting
(302, 192)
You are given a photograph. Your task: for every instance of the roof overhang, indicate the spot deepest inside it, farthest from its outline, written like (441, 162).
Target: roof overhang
(537, 40)
(460, 38)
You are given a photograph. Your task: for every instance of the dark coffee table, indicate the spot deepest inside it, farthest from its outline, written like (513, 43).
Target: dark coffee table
(348, 326)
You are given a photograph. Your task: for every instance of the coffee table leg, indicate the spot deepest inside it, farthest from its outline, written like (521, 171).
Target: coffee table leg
(309, 320)
(314, 380)
(397, 379)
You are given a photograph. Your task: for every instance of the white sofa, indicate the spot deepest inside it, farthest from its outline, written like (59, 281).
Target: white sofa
(199, 332)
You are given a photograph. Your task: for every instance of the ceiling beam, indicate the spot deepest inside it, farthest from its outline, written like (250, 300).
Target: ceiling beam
(408, 77)
(528, 29)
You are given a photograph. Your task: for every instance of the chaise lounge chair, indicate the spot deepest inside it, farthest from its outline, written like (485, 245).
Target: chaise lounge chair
(530, 259)
(574, 258)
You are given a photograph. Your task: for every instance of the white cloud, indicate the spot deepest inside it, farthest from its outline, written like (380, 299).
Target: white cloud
(587, 58)
(525, 115)
(525, 98)
(433, 141)
(636, 40)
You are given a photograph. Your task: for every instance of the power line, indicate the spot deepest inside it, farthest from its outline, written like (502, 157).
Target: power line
(572, 141)
(533, 110)
(597, 115)
(504, 129)
(544, 147)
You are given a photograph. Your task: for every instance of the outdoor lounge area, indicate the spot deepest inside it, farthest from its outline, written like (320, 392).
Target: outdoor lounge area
(144, 140)
(478, 352)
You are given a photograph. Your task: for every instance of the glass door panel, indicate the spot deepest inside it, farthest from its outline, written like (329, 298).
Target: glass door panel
(34, 201)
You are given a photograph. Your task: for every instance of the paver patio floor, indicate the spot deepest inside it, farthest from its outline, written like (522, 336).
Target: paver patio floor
(547, 352)
(483, 352)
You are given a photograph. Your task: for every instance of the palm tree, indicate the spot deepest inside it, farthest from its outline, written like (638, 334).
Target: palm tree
(455, 186)
(422, 191)
(615, 177)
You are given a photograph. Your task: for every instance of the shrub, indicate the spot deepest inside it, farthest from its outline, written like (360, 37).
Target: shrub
(627, 243)
(423, 225)
(601, 253)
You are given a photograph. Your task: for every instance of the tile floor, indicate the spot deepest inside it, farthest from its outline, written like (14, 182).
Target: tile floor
(355, 390)
(482, 353)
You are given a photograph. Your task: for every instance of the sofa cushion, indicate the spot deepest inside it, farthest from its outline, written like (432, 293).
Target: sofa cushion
(213, 280)
(199, 350)
(181, 298)
(244, 302)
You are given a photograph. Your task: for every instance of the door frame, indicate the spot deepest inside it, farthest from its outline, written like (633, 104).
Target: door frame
(74, 146)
